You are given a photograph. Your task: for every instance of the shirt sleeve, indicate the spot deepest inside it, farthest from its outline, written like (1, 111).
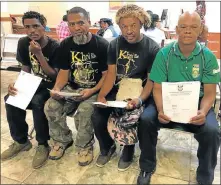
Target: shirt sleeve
(22, 53)
(154, 48)
(111, 54)
(158, 72)
(211, 73)
(63, 56)
(103, 55)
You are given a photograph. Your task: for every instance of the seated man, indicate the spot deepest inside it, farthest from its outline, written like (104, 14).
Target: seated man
(107, 29)
(186, 60)
(84, 56)
(129, 56)
(36, 52)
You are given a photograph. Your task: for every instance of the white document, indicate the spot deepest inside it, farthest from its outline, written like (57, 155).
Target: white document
(180, 100)
(66, 94)
(116, 104)
(26, 85)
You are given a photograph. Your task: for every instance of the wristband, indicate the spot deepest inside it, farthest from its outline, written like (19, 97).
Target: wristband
(140, 100)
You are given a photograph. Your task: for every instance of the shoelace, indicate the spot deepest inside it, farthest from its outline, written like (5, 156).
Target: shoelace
(84, 152)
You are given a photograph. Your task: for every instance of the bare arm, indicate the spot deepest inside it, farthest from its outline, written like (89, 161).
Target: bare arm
(100, 83)
(157, 94)
(147, 89)
(26, 69)
(37, 50)
(62, 79)
(208, 98)
(109, 81)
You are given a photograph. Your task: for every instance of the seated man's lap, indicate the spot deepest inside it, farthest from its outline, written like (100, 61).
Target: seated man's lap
(211, 123)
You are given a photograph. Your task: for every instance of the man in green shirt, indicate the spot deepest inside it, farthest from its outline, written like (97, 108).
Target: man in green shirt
(186, 60)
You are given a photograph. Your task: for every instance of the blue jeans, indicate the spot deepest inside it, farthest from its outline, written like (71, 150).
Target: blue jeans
(207, 135)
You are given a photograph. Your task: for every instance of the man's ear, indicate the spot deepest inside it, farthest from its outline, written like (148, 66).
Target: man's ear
(44, 25)
(177, 31)
(89, 22)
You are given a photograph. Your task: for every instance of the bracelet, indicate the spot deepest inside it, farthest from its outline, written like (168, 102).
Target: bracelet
(140, 100)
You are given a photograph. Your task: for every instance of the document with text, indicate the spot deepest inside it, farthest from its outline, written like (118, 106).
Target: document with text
(26, 85)
(180, 100)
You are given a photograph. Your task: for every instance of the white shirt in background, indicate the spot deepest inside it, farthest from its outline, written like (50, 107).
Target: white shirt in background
(108, 34)
(156, 34)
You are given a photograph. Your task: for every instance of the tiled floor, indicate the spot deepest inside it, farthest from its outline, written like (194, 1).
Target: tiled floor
(176, 155)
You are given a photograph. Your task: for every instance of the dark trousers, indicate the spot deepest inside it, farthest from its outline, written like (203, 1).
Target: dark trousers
(207, 135)
(99, 119)
(16, 118)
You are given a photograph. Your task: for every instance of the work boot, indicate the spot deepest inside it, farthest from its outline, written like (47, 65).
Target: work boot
(14, 149)
(41, 156)
(85, 156)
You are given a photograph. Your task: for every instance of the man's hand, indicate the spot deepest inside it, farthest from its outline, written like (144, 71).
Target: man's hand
(102, 100)
(35, 48)
(55, 95)
(163, 118)
(200, 119)
(12, 90)
(133, 104)
(86, 93)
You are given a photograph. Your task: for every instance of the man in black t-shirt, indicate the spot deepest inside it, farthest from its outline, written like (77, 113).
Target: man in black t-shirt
(82, 62)
(36, 52)
(129, 56)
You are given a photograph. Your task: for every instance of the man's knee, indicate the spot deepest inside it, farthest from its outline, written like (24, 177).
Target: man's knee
(99, 116)
(51, 106)
(147, 120)
(86, 108)
(38, 101)
(212, 129)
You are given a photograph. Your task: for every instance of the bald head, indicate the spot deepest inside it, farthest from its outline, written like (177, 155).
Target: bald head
(187, 16)
(188, 28)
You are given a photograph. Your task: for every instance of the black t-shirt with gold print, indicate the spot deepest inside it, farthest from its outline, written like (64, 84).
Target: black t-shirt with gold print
(29, 59)
(86, 62)
(132, 60)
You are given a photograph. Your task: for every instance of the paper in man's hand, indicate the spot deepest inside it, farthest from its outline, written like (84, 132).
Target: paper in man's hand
(180, 100)
(26, 85)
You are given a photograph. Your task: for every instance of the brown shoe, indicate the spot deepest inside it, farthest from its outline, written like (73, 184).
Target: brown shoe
(57, 151)
(41, 156)
(14, 149)
(85, 156)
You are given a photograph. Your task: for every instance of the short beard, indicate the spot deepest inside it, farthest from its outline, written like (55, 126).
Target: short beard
(79, 40)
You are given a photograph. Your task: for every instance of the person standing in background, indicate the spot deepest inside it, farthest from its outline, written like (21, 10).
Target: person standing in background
(62, 29)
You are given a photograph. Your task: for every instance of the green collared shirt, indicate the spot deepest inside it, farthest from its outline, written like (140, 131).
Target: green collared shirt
(170, 65)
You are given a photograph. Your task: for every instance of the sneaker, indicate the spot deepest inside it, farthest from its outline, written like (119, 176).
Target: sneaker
(144, 177)
(126, 158)
(103, 159)
(41, 156)
(14, 149)
(57, 151)
(85, 156)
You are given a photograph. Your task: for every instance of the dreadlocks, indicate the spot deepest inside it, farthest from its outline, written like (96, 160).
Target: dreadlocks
(34, 15)
(132, 10)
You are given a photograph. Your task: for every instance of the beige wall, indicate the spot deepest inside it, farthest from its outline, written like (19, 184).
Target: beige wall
(53, 11)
